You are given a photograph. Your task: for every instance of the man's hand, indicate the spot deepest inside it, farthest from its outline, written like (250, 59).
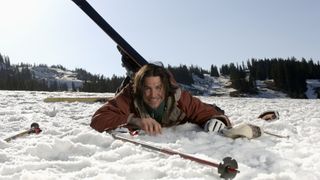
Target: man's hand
(149, 125)
(214, 125)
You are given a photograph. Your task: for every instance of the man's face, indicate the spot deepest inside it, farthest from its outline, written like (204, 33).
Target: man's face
(153, 91)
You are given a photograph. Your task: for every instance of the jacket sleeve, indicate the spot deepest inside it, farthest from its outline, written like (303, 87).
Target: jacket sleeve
(199, 112)
(114, 113)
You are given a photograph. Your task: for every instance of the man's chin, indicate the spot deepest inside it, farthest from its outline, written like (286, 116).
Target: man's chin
(154, 106)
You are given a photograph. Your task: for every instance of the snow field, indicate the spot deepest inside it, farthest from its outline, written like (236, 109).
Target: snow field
(67, 148)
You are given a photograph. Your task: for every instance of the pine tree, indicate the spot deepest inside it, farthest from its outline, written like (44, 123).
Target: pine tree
(1, 60)
(181, 74)
(214, 71)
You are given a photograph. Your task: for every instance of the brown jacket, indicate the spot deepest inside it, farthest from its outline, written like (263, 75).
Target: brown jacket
(185, 108)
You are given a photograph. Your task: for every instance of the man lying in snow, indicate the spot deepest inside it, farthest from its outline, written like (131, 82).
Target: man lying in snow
(153, 100)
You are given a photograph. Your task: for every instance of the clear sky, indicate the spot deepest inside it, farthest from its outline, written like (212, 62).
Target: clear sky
(198, 32)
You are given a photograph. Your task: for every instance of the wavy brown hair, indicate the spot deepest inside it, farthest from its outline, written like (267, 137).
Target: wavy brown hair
(151, 70)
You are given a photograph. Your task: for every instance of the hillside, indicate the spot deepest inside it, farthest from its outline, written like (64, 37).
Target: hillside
(221, 86)
(58, 75)
(58, 78)
(207, 86)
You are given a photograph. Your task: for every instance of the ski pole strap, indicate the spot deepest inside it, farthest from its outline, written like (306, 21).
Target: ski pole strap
(36, 131)
(227, 169)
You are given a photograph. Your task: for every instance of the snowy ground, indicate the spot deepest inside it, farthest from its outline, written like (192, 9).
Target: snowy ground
(69, 149)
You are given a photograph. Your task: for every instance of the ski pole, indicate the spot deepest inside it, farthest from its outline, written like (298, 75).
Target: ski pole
(276, 135)
(227, 169)
(34, 128)
(139, 61)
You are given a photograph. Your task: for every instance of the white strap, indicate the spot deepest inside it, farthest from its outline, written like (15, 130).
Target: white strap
(214, 125)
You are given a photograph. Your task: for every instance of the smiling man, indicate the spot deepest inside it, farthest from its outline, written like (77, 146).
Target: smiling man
(153, 100)
(153, 92)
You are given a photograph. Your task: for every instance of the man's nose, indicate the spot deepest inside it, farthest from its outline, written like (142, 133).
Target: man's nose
(153, 93)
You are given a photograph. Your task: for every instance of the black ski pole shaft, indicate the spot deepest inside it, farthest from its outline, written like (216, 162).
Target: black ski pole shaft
(98, 19)
(227, 170)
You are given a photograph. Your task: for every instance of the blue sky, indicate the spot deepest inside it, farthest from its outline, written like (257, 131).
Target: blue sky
(175, 32)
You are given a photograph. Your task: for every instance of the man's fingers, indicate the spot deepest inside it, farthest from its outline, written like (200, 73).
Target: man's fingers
(152, 129)
(151, 126)
(148, 128)
(158, 128)
(155, 129)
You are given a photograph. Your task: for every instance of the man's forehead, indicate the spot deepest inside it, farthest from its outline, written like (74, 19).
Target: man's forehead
(153, 80)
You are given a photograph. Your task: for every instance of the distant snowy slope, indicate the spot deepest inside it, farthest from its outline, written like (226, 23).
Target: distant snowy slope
(207, 86)
(216, 86)
(265, 92)
(221, 86)
(312, 85)
(69, 149)
(55, 74)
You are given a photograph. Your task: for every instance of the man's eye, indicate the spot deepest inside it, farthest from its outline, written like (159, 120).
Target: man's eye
(146, 89)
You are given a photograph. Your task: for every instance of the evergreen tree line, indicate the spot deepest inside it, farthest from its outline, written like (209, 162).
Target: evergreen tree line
(240, 78)
(102, 84)
(20, 77)
(238, 75)
(94, 83)
(98, 83)
(289, 75)
(17, 78)
(183, 74)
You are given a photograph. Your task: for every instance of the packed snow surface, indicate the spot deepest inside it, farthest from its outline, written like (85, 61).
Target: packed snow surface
(67, 148)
